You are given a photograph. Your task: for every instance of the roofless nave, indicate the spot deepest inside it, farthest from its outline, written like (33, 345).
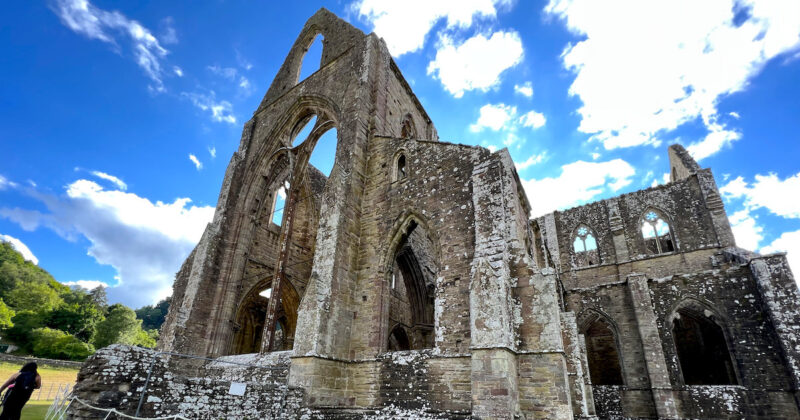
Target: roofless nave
(411, 280)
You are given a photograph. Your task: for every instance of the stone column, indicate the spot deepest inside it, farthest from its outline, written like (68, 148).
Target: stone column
(651, 345)
(782, 297)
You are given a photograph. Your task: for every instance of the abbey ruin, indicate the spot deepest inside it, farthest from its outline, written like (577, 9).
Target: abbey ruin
(411, 281)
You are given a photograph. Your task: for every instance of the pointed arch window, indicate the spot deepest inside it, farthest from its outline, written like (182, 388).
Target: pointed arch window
(401, 168)
(602, 351)
(702, 348)
(584, 247)
(657, 233)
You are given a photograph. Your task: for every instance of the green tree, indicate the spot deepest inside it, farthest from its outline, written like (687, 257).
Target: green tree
(35, 296)
(56, 344)
(5, 316)
(153, 316)
(24, 323)
(120, 326)
(78, 319)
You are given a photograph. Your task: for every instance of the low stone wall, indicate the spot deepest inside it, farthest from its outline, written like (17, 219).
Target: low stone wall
(21, 360)
(195, 388)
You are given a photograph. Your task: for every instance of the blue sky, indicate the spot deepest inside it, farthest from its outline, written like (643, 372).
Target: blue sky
(117, 119)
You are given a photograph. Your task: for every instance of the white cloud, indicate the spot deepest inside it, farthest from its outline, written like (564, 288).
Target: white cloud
(403, 25)
(718, 137)
(168, 33)
(86, 284)
(197, 163)
(532, 160)
(221, 111)
(475, 64)
(114, 180)
(788, 242)
(746, 230)
(498, 117)
(525, 89)
(768, 191)
(213, 152)
(20, 247)
(178, 71)
(494, 117)
(144, 241)
(5, 183)
(533, 120)
(578, 183)
(110, 27)
(734, 114)
(645, 68)
(229, 73)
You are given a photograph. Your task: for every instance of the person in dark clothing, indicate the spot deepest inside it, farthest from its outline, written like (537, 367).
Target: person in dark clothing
(20, 387)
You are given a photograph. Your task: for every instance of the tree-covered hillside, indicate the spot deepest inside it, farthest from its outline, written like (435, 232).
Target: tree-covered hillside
(48, 319)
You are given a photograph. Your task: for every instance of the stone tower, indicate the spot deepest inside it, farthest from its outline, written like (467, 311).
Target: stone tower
(410, 277)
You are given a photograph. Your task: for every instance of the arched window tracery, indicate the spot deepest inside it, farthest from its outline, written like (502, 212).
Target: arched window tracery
(584, 247)
(656, 232)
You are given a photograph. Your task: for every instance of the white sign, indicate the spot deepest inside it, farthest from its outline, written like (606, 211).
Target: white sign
(237, 388)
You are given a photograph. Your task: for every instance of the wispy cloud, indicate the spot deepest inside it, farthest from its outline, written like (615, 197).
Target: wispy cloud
(525, 89)
(113, 27)
(532, 160)
(213, 152)
(221, 111)
(197, 163)
(114, 180)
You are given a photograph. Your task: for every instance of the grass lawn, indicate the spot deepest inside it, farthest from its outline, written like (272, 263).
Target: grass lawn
(56, 375)
(35, 410)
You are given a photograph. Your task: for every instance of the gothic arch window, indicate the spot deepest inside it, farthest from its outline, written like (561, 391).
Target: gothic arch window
(312, 57)
(701, 347)
(400, 167)
(602, 350)
(411, 289)
(656, 232)
(398, 339)
(407, 128)
(584, 247)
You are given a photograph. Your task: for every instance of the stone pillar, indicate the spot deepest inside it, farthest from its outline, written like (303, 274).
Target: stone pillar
(618, 231)
(716, 208)
(782, 297)
(651, 345)
(581, 396)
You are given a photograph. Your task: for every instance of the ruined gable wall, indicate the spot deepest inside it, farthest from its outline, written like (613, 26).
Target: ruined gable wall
(680, 202)
(437, 190)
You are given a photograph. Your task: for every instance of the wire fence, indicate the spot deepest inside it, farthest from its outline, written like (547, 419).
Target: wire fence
(48, 391)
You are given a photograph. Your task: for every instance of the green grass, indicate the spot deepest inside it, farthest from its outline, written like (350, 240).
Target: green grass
(49, 374)
(35, 410)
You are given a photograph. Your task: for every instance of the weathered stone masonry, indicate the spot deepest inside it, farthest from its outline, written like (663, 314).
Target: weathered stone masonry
(410, 281)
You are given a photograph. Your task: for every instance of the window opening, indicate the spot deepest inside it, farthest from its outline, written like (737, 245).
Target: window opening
(312, 59)
(279, 202)
(324, 153)
(702, 350)
(602, 354)
(267, 293)
(585, 247)
(303, 134)
(401, 167)
(398, 340)
(657, 234)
